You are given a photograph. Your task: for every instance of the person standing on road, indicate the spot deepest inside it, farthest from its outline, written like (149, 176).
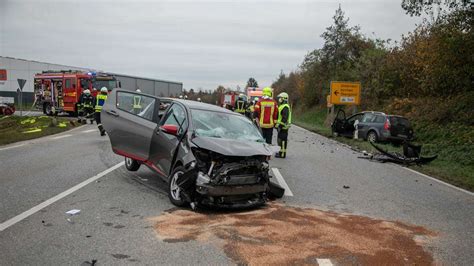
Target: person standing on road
(87, 106)
(283, 123)
(240, 104)
(100, 101)
(266, 114)
(137, 107)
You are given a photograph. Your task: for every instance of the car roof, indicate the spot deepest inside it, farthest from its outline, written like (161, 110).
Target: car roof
(373, 112)
(203, 106)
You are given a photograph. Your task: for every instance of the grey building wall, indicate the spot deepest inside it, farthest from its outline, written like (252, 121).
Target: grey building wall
(26, 69)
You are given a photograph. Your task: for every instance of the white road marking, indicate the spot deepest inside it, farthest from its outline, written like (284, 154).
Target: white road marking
(282, 182)
(324, 262)
(63, 136)
(89, 131)
(439, 181)
(52, 200)
(12, 147)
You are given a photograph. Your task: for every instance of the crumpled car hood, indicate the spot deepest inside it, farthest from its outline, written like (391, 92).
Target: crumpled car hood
(229, 147)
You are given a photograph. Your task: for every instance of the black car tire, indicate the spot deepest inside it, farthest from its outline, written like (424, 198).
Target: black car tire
(173, 189)
(372, 136)
(131, 164)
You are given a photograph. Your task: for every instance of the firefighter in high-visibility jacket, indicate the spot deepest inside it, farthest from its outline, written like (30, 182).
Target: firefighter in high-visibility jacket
(240, 105)
(266, 114)
(137, 107)
(100, 101)
(283, 123)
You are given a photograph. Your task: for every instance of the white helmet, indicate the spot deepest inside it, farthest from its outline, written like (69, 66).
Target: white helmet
(138, 90)
(185, 96)
(104, 89)
(181, 96)
(199, 99)
(87, 92)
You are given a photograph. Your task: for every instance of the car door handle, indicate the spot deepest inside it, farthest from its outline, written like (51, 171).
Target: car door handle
(112, 112)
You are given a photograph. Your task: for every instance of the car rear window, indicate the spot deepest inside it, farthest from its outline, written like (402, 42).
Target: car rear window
(399, 121)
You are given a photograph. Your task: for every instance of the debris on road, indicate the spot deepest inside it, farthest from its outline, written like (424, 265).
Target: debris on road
(73, 212)
(256, 237)
(346, 187)
(411, 155)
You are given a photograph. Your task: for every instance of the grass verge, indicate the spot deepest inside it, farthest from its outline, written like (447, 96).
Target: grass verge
(16, 128)
(452, 142)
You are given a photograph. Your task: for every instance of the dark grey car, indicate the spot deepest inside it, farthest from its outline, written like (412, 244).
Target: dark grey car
(373, 126)
(207, 154)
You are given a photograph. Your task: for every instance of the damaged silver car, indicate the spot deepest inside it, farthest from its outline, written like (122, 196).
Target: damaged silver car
(207, 154)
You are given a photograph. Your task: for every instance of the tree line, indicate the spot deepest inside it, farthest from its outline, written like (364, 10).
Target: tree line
(436, 59)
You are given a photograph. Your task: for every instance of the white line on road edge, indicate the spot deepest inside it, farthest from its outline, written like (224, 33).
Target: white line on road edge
(52, 200)
(89, 131)
(282, 182)
(63, 136)
(413, 171)
(11, 147)
(324, 262)
(439, 181)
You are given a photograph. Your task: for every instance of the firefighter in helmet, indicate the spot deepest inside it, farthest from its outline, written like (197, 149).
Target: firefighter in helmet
(100, 101)
(266, 114)
(137, 107)
(86, 104)
(240, 104)
(283, 123)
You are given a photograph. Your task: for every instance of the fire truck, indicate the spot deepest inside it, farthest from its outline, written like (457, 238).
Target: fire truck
(59, 91)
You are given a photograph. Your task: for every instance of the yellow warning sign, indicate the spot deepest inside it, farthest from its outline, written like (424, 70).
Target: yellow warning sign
(343, 92)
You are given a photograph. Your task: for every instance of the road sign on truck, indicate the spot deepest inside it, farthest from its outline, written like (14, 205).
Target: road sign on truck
(343, 92)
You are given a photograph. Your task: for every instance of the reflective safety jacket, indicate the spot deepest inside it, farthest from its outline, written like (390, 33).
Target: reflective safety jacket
(101, 98)
(136, 102)
(87, 101)
(266, 112)
(284, 116)
(240, 106)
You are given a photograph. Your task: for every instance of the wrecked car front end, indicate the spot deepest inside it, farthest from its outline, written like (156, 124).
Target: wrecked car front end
(226, 177)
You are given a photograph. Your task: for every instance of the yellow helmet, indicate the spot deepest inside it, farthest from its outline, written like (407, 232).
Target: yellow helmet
(267, 91)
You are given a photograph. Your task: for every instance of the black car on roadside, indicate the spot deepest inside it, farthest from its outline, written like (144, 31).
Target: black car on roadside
(373, 126)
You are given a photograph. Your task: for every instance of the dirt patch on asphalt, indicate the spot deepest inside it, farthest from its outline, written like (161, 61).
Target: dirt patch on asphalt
(281, 234)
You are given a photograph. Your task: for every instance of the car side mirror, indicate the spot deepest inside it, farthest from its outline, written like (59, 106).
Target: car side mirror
(170, 129)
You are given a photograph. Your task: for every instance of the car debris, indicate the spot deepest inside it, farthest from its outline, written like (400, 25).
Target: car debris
(73, 212)
(411, 155)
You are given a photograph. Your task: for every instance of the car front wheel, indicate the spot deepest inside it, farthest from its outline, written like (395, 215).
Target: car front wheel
(372, 136)
(174, 191)
(131, 164)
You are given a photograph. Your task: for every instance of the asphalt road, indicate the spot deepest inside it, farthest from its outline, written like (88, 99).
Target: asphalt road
(118, 209)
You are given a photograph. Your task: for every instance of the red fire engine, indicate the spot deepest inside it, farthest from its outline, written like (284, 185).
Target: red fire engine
(59, 91)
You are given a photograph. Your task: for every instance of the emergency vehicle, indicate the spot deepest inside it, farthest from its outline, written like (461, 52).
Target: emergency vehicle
(253, 92)
(60, 91)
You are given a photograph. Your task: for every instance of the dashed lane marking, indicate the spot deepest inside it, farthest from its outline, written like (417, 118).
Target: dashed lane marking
(324, 262)
(12, 147)
(282, 182)
(52, 200)
(63, 136)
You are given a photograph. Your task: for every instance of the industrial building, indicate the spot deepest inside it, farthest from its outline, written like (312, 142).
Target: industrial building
(12, 69)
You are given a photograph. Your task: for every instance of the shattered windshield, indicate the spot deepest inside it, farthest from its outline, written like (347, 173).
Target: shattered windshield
(224, 125)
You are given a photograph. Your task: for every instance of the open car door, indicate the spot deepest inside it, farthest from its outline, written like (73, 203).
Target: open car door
(339, 124)
(130, 119)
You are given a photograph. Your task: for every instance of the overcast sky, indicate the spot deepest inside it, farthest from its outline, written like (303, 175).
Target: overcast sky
(200, 43)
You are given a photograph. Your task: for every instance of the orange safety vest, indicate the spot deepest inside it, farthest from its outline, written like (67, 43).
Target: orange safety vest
(266, 109)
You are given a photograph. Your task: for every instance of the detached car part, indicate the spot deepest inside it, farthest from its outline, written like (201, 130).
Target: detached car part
(411, 155)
